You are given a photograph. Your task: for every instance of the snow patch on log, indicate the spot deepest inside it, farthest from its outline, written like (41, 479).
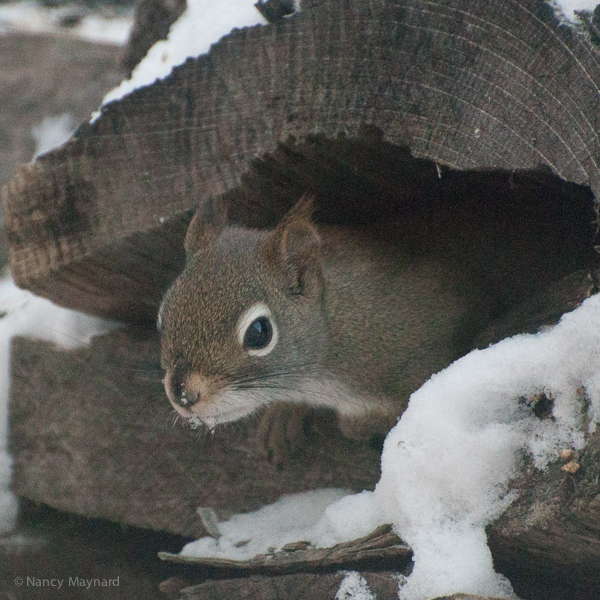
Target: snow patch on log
(52, 133)
(568, 8)
(354, 587)
(290, 519)
(203, 23)
(447, 465)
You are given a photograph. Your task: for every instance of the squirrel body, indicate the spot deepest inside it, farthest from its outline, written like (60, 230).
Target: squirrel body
(339, 317)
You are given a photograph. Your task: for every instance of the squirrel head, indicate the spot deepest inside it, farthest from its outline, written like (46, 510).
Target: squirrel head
(245, 318)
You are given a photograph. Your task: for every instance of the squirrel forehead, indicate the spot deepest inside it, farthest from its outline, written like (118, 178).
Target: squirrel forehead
(218, 284)
(216, 288)
(199, 315)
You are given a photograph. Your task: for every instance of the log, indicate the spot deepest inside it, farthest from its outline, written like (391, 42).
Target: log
(96, 225)
(92, 433)
(382, 546)
(301, 587)
(305, 586)
(36, 79)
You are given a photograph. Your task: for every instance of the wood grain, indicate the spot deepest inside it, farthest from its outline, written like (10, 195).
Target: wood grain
(466, 83)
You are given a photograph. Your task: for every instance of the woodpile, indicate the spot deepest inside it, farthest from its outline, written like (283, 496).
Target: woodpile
(374, 107)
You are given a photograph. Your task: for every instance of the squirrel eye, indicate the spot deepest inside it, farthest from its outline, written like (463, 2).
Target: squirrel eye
(256, 330)
(259, 334)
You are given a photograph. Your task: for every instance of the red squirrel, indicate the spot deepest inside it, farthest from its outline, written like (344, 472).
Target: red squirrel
(329, 316)
(349, 318)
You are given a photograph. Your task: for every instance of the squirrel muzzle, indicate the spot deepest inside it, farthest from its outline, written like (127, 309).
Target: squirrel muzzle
(188, 390)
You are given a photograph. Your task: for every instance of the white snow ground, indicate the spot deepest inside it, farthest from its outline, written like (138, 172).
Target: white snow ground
(354, 587)
(291, 519)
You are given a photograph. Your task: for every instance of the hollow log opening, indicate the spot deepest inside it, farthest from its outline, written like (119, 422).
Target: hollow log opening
(528, 223)
(517, 232)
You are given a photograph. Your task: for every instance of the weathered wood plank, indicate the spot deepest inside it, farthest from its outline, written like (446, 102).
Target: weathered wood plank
(381, 546)
(36, 79)
(382, 584)
(467, 83)
(305, 586)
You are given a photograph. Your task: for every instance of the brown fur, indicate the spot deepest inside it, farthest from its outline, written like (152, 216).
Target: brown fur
(364, 315)
(360, 324)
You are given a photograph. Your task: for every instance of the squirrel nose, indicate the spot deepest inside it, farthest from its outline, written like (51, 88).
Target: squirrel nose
(175, 386)
(186, 400)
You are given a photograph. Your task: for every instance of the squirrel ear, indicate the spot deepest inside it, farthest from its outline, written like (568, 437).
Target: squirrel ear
(294, 248)
(208, 221)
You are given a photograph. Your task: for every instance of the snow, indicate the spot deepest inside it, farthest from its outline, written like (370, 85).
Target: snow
(31, 17)
(28, 315)
(101, 30)
(291, 519)
(447, 465)
(53, 132)
(202, 24)
(354, 587)
(568, 7)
